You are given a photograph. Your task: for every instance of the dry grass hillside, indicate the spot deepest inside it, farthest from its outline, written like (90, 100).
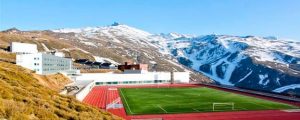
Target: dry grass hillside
(23, 97)
(7, 56)
(54, 82)
(40, 39)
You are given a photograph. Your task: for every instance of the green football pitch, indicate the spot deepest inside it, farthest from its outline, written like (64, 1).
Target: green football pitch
(188, 100)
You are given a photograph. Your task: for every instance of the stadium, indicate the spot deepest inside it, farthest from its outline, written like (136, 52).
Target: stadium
(187, 101)
(160, 95)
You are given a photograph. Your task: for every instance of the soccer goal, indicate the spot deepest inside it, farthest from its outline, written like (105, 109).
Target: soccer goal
(223, 106)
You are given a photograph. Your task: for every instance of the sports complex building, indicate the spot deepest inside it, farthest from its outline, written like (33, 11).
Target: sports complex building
(44, 63)
(132, 74)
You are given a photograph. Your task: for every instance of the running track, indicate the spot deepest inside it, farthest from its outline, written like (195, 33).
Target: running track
(101, 96)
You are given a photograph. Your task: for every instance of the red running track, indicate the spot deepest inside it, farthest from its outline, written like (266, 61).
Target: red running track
(112, 95)
(97, 97)
(241, 115)
(100, 96)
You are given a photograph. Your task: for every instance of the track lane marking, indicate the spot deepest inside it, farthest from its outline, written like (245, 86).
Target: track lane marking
(195, 109)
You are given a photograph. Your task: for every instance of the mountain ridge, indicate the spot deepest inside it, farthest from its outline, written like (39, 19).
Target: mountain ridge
(262, 63)
(227, 59)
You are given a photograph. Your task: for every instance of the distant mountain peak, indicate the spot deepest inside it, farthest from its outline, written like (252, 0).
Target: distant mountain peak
(174, 35)
(115, 24)
(116, 27)
(12, 30)
(270, 38)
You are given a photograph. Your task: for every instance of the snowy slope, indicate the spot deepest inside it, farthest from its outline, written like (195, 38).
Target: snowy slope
(112, 32)
(124, 42)
(284, 88)
(263, 63)
(248, 62)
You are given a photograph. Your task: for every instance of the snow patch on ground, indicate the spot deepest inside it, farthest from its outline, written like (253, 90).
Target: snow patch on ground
(99, 59)
(68, 30)
(149, 56)
(89, 43)
(284, 88)
(83, 51)
(182, 45)
(65, 49)
(179, 65)
(45, 47)
(102, 60)
(222, 81)
(278, 81)
(231, 67)
(262, 78)
(152, 62)
(245, 76)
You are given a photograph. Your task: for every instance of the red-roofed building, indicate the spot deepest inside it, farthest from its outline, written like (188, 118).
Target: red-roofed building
(133, 68)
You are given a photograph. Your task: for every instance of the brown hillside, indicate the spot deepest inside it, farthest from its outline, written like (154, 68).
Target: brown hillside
(23, 97)
(54, 82)
(40, 38)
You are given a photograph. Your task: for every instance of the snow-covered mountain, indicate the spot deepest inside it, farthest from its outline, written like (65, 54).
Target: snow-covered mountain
(248, 62)
(110, 32)
(261, 63)
(121, 43)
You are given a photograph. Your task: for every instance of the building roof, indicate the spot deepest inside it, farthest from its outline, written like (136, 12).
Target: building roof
(127, 66)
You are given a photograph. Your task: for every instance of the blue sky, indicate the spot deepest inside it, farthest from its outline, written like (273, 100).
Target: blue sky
(234, 17)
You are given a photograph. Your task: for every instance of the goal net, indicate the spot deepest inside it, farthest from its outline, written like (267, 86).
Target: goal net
(223, 106)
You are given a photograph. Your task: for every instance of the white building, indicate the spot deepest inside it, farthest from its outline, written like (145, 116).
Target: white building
(134, 78)
(59, 54)
(86, 81)
(56, 53)
(23, 48)
(45, 63)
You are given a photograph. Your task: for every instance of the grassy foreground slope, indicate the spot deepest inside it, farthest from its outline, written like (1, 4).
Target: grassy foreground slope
(186, 100)
(23, 97)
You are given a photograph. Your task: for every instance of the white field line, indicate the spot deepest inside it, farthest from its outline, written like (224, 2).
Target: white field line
(126, 102)
(240, 108)
(259, 104)
(162, 108)
(195, 109)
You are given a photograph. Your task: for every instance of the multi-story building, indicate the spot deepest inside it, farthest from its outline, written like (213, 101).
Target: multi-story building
(43, 63)
(23, 48)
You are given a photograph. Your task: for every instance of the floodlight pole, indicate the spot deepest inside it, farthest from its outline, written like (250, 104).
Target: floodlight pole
(172, 77)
